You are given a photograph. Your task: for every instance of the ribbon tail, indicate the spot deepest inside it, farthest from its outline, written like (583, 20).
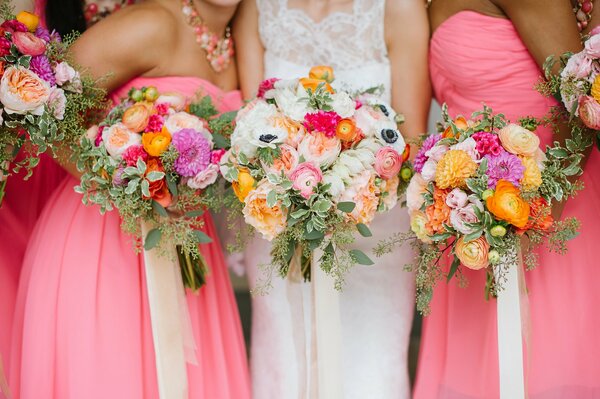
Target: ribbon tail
(3, 381)
(510, 334)
(165, 297)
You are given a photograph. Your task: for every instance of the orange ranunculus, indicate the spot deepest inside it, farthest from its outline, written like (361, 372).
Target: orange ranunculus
(136, 117)
(312, 84)
(506, 204)
(159, 191)
(437, 213)
(540, 217)
(31, 21)
(460, 122)
(321, 72)
(243, 185)
(155, 143)
(473, 254)
(346, 130)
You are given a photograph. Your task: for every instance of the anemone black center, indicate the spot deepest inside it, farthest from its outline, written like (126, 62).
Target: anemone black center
(389, 135)
(384, 109)
(267, 138)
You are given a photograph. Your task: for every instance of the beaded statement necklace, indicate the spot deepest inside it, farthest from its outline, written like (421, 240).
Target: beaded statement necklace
(219, 50)
(96, 10)
(583, 13)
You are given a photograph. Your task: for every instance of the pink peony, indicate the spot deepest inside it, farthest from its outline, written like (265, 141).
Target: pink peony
(29, 44)
(589, 112)
(133, 153)
(204, 178)
(216, 155)
(155, 123)
(456, 198)
(265, 86)
(387, 162)
(322, 121)
(305, 178)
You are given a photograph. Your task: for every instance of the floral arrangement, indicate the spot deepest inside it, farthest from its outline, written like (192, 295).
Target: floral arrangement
(479, 185)
(577, 86)
(311, 166)
(43, 99)
(155, 158)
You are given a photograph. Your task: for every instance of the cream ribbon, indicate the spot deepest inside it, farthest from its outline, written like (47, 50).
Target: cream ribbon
(171, 326)
(510, 334)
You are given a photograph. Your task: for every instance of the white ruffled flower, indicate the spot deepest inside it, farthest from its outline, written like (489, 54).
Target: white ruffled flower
(293, 103)
(343, 105)
(337, 184)
(469, 146)
(428, 171)
(254, 131)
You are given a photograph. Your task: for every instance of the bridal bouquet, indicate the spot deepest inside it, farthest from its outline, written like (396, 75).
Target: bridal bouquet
(311, 166)
(43, 99)
(155, 159)
(478, 187)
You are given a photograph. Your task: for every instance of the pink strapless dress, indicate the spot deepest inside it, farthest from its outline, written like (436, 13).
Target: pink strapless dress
(476, 58)
(82, 323)
(20, 210)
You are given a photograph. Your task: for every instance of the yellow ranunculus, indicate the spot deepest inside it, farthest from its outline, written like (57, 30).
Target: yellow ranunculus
(155, 143)
(243, 185)
(596, 89)
(31, 21)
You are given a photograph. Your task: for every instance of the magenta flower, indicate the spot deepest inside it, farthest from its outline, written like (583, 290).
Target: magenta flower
(504, 166)
(322, 121)
(216, 155)
(155, 123)
(43, 34)
(13, 25)
(194, 152)
(487, 143)
(41, 66)
(265, 86)
(133, 153)
(421, 158)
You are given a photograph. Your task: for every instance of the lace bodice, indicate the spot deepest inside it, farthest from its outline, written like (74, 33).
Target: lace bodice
(352, 43)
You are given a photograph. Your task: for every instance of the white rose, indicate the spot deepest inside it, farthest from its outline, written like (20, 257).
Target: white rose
(117, 138)
(292, 103)
(343, 105)
(337, 184)
(204, 178)
(428, 171)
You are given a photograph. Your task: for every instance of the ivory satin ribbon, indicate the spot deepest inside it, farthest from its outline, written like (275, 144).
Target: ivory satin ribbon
(3, 382)
(511, 332)
(171, 326)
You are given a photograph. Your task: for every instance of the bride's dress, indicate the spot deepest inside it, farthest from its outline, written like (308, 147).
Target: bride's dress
(377, 301)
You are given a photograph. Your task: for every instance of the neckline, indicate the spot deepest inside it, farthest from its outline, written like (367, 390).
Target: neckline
(302, 13)
(461, 12)
(198, 78)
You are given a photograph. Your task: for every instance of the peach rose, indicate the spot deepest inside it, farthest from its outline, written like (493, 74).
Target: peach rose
(117, 138)
(136, 117)
(287, 161)
(365, 195)
(319, 149)
(23, 92)
(506, 204)
(414, 192)
(155, 143)
(294, 129)
(269, 221)
(518, 140)
(474, 254)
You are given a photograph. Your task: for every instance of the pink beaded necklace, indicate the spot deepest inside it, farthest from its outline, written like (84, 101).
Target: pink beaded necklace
(219, 50)
(583, 13)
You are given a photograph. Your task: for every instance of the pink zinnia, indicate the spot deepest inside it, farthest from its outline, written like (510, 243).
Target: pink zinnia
(322, 121)
(133, 153)
(487, 143)
(155, 123)
(265, 86)
(504, 166)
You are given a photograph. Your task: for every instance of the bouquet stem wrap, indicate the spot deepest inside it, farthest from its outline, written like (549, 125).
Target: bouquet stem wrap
(174, 344)
(321, 377)
(512, 310)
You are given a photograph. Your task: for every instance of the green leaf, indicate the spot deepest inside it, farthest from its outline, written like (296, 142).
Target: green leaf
(299, 213)
(220, 141)
(159, 209)
(154, 176)
(172, 185)
(201, 237)
(360, 257)
(364, 230)
(271, 199)
(194, 214)
(473, 236)
(314, 235)
(453, 268)
(346, 207)
(291, 248)
(152, 239)
(145, 186)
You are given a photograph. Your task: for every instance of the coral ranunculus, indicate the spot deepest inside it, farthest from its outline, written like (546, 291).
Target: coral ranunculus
(159, 191)
(589, 112)
(506, 204)
(322, 72)
(387, 162)
(454, 168)
(29, 44)
(473, 254)
(346, 130)
(243, 185)
(136, 117)
(155, 143)
(313, 84)
(540, 217)
(460, 122)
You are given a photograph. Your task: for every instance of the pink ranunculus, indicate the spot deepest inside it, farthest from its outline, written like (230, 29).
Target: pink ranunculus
(387, 162)
(217, 155)
(57, 102)
(579, 65)
(456, 198)
(592, 46)
(305, 178)
(204, 178)
(589, 112)
(28, 43)
(65, 73)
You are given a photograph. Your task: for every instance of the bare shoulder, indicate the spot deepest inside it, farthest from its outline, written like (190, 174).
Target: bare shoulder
(403, 8)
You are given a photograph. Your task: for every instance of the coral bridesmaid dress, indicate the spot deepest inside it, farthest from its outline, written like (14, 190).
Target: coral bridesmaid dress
(475, 58)
(82, 323)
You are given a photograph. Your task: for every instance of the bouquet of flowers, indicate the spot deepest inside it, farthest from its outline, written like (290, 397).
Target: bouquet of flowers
(577, 86)
(312, 165)
(43, 99)
(478, 186)
(155, 159)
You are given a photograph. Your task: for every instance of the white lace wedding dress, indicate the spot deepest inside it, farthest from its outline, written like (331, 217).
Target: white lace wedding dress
(377, 301)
